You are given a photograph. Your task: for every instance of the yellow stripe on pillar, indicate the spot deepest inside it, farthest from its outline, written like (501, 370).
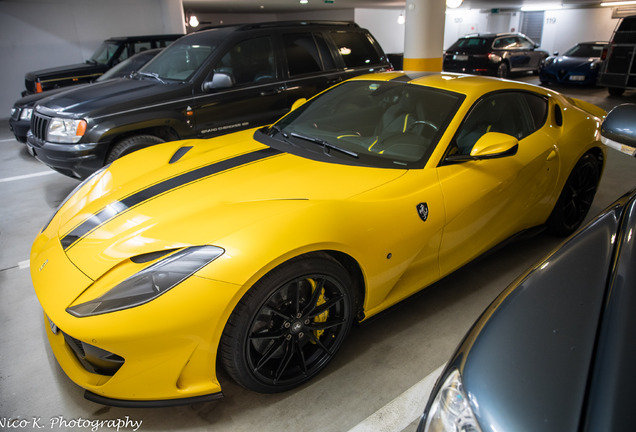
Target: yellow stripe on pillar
(423, 64)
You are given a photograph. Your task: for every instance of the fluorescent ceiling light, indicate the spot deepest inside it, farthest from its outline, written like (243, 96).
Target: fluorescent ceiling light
(541, 7)
(454, 3)
(618, 3)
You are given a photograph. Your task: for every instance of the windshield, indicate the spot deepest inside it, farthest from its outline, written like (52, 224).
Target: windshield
(104, 53)
(373, 123)
(585, 50)
(179, 61)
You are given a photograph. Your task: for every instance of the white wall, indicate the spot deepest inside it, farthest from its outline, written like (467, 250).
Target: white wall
(383, 25)
(582, 25)
(562, 29)
(38, 34)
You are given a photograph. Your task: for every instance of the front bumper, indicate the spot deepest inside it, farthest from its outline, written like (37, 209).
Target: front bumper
(74, 160)
(567, 77)
(158, 354)
(19, 129)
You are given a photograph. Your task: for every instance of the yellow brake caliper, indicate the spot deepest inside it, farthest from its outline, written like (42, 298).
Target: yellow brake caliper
(323, 316)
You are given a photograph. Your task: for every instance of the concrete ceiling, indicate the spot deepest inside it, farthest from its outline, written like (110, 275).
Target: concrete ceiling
(280, 6)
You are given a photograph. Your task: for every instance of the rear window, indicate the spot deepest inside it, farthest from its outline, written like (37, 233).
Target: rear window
(356, 49)
(472, 42)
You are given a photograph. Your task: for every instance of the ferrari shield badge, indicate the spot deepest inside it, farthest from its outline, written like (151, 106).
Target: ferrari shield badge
(422, 210)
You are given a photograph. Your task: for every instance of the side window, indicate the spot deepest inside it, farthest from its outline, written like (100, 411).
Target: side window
(355, 48)
(141, 46)
(505, 43)
(303, 55)
(524, 43)
(514, 113)
(249, 61)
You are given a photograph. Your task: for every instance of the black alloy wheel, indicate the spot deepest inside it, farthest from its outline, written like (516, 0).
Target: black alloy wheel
(289, 325)
(576, 197)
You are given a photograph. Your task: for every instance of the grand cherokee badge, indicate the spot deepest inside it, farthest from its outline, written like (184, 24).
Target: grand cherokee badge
(422, 210)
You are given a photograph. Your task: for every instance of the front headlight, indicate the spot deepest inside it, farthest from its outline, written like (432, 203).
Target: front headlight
(63, 130)
(149, 283)
(25, 114)
(450, 410)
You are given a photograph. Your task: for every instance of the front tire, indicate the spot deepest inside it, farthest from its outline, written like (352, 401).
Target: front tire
(576, 197)
(289, 325)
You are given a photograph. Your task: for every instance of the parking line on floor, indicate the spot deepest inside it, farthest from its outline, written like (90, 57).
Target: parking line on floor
(24, 264)
(401, 411)
(26, 176)
(7, 140)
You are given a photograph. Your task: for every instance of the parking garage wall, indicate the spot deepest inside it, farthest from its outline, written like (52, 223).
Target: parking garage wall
(39, 34)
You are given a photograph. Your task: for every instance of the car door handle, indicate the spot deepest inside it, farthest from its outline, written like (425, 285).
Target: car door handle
(551, 155)
(275, 91)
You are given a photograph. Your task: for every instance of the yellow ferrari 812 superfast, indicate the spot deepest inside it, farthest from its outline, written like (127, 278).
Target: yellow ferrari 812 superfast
(256, 251)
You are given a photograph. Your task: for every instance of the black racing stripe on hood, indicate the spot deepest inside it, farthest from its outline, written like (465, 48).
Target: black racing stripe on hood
(118, 207)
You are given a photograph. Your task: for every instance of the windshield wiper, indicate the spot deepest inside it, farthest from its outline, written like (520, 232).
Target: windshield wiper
(152, 75)
(326, 146)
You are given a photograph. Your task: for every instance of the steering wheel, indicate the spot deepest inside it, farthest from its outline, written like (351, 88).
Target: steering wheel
(422, 122)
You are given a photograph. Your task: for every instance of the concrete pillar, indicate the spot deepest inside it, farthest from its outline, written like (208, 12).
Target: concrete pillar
(424, 35)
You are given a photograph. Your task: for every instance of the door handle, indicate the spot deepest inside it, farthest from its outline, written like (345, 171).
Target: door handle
(551, 155)
(275, 91)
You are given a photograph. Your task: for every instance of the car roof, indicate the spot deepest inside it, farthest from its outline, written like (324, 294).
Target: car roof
(454, 82)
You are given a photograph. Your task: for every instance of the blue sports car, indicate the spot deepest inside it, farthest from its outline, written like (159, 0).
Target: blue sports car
(579, 65)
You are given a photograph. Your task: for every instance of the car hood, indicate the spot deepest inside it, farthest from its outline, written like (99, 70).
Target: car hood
(197, 192)
(571, 62)
(110, 96)
(32, 99)
(526, 362)
(59, 71)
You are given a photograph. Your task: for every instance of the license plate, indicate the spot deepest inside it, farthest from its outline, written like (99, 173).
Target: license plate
(460, 57)
(577, 78)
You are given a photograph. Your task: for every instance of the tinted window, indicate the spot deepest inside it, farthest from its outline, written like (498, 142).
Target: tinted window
(383, 124)
(524, 43)
(249, 61)
(514, 113)
(473, 42)
(303, 56)
(104, 52)
(506, 43)
(355, 48)
(180, 60)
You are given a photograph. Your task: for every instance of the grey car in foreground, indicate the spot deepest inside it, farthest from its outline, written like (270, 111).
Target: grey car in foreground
(555, 351)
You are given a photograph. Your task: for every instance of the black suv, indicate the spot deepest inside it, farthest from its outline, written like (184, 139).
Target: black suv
(20, 120)
(618, 71)
(493, 54)
(205, 84)
(111, 52)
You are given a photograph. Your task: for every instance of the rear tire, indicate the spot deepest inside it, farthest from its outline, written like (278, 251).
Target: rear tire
(131, 144)
(576, 197)
(503, 71)
(289, 325)
(616, 91)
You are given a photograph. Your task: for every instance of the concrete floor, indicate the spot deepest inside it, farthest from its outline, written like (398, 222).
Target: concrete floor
(378, 382)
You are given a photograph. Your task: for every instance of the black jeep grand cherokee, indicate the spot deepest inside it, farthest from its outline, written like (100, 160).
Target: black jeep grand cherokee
(207, 83)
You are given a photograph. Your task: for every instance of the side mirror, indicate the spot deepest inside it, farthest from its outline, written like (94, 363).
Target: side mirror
(298, 103)
(493, 145)
(619, 129)
(220, 80)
